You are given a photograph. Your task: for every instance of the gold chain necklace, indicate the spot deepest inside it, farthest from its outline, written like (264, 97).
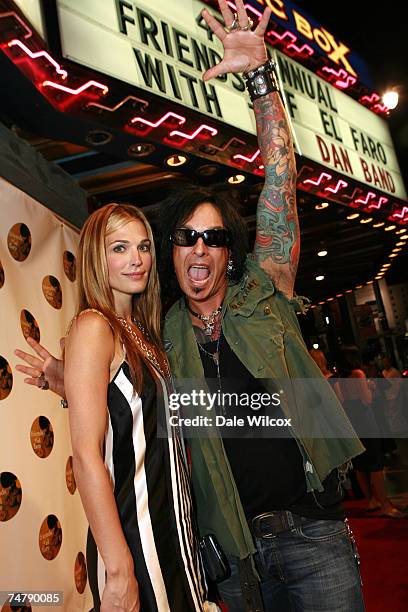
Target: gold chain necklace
(148, 352)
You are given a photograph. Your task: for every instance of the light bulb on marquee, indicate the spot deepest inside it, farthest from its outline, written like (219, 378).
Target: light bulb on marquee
(390, 99)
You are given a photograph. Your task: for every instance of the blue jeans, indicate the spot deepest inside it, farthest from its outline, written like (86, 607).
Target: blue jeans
(311, 568)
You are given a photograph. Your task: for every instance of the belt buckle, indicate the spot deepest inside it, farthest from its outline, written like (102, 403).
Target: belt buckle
(256, 524)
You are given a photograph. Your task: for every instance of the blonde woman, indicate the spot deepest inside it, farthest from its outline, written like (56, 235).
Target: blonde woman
(141, 552)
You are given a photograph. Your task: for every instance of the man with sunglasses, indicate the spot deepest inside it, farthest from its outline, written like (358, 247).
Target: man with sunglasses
(273, 504)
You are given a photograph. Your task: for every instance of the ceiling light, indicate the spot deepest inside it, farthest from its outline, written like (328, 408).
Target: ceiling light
(393, 255)
(349, 291)
(319, 277)
(402, 231)
(353, 216)
(142, 149)
(321, 205)
(322, 302)
(386, 265)
(369, 282)
(98, 138)
(339, 295)
(400, 244)
(359, 286)
(367, 220)
(403, 237)
(390, 99)
(378, 277)
(330, 299)
(389, 228)
(208, 170)
(236, 179)
(396, 250)
(322, 253)
(380, 224)
(176, 160)
(316, 346)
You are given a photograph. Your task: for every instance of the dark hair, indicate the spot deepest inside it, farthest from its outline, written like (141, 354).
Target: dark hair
(178, 207)
(348, 359)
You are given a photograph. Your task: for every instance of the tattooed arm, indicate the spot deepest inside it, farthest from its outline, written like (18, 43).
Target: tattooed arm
(277, 230)
(277, 241)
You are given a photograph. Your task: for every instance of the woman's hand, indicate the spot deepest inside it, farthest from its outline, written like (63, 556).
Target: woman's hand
(121, 594)
(244, 50)
(46, 363)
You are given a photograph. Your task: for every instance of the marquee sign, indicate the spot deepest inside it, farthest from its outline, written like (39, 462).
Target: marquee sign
(165, 47)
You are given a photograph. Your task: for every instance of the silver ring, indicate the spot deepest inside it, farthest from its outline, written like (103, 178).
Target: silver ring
(248, 25)
(43, 383)
(234, 25)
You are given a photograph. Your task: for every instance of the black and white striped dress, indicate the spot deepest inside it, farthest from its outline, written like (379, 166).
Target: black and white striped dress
(152, 493)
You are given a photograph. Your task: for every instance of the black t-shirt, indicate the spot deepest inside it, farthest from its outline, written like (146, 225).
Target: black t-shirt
(268, 471)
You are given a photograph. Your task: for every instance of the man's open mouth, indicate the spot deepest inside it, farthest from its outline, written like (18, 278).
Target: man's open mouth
(198, 273)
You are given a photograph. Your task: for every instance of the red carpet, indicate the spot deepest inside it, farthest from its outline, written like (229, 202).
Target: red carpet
(383, 548)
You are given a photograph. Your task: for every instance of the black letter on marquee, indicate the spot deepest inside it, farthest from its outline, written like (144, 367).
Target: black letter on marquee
(148, 31)
(190, 82)
(148, 70)
(122, 17)
(211, 97)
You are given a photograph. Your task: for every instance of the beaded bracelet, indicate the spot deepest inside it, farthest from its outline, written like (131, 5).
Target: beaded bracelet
(262, 80)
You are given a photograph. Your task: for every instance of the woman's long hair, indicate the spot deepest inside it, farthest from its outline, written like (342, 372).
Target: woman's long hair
(94, 290)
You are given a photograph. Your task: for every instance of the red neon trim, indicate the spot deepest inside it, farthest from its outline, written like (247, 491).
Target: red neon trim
(181, 120)
(247, 159)
(121, 103)
(356, 190)
(280, 37)
(324, 175)
(370, 99)
(402, 213)
(381, 201)
(21, 22)
(213, 132)
(340, 185)
(370, 195)
(76, 92)
(231, 140)
(344, 79)
(247, 7)
(37, 54)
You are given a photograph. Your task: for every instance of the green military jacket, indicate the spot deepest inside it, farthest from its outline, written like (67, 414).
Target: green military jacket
(261, 327)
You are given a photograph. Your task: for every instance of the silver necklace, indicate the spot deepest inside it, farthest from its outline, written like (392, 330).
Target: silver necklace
(215, 357)
(208, 320)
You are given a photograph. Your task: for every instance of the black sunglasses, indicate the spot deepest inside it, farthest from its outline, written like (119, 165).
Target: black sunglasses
(184, 236)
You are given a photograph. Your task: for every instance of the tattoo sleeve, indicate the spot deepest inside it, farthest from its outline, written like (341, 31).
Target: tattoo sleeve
(277, 241)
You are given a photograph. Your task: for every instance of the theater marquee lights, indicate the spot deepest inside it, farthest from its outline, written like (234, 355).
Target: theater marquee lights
(157, 51)
(164, 48)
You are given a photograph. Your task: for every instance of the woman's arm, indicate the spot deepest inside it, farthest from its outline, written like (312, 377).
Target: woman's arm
(89, 351)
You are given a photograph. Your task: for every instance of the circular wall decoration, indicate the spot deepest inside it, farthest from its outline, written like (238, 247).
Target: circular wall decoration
(19, 241)
(14, 608)
(50, 537)
(10, 495)
(29, 325)
(52, 291)
(69, 476)
(6, 378)
(1, 275)
(42, 437)
(69, 263)
(80, 573)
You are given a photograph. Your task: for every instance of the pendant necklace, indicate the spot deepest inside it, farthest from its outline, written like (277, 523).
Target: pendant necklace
(208, 320)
